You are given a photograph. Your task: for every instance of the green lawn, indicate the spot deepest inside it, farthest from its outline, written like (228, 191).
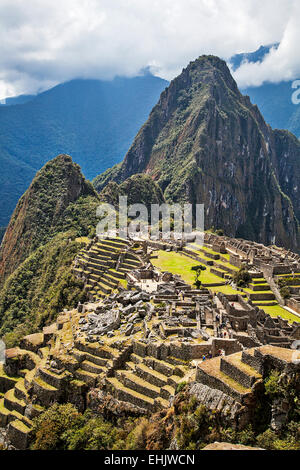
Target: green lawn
(226, 290)
(250, 291)
(177, 263)
(277, 311)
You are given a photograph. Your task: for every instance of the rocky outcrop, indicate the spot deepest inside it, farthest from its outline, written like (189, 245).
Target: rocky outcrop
(204, 142)
(229, 446)
(230, 409)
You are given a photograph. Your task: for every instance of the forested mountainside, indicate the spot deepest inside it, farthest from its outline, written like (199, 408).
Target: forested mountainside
(94, 121)
(49, 206)
(47, 230)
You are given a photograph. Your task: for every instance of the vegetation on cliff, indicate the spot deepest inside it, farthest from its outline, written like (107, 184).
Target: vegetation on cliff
(41, 287)
(58, 199)
(139, 189)
(204, 142)
(40, 246)
(187, 425)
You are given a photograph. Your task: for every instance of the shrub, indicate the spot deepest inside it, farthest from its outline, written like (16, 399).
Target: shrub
(285, 292)
(137, 437)
(50, 426)
(180, 387)
(93, 434)
(198, 282)
(269, 440)
(242, 278)
(272, 385)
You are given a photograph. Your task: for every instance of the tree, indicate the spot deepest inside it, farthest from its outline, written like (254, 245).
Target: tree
(199, 270)
(285, 292)
(242, 278)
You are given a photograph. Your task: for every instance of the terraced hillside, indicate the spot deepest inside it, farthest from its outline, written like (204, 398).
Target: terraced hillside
(241, 374)
(104, 264)
(147, 381)
(60, 365)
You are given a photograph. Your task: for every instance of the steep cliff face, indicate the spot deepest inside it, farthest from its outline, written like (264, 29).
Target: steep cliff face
(287, 166)
(44, 210)
(205, 142)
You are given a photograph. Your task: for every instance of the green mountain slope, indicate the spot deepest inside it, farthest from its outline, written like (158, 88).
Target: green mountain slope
(39, 248)
(139, 189)
(58, 199)
(41, 287)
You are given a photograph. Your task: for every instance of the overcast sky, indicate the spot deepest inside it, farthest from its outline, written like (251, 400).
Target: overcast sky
(45, 42)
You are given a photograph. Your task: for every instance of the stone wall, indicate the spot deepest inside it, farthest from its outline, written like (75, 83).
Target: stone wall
(230, 346)
(294, 304)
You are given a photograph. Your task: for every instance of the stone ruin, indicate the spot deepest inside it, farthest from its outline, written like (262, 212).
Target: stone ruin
(132, 348)
(252, 326)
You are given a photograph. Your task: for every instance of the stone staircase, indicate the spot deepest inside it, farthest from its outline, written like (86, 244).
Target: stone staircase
(145, 381)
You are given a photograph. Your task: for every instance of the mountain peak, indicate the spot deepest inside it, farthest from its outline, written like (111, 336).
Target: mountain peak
(40, 210)
(204, 142)
(252, 57)
(210, 68)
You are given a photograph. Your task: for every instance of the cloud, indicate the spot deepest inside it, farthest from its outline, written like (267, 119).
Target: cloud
(44, 42)
(282, 64)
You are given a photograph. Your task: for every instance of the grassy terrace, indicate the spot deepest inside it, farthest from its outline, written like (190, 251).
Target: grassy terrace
(218, 263)
(182, 265)
(277, 311)
(289, 275)
(250, 291)
(3, 374)
(209, 250)
(82, 240)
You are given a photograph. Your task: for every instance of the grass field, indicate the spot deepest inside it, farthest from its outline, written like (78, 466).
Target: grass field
(177, 263)
(277, 311)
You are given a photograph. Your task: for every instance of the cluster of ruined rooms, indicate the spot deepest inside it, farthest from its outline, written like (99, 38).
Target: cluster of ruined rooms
(146, 329)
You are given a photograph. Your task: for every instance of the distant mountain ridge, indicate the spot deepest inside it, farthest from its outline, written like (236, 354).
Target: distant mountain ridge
(15, 100)
(94, 121)
(256, 56)
(273, 99)
(204, 142)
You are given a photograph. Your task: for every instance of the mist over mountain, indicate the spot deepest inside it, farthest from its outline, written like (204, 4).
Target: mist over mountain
(94, 121)
(273, 99)
(256, 56)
